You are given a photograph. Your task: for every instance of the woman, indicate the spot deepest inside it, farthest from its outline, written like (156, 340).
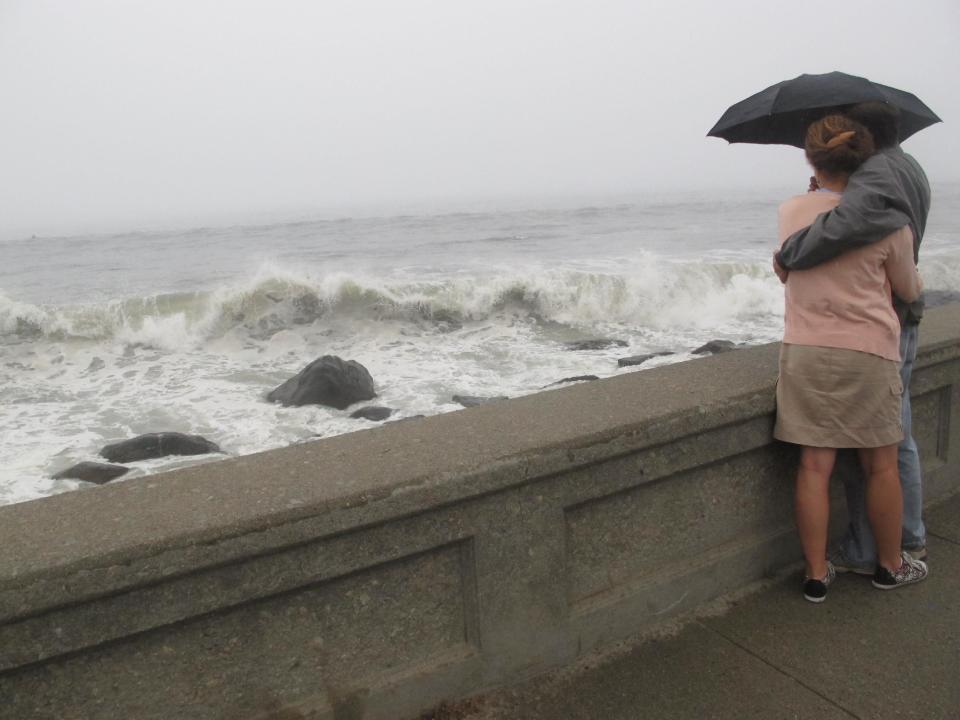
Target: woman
(839, 384)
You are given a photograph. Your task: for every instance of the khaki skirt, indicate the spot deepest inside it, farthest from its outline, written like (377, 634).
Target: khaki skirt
(837, 398)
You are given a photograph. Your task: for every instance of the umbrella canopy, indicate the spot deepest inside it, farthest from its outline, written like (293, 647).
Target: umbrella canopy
(780, 114)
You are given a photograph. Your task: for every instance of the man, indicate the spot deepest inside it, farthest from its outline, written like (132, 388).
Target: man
(889, 190)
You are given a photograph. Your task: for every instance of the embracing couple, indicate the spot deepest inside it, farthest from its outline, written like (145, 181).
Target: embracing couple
(853, 303)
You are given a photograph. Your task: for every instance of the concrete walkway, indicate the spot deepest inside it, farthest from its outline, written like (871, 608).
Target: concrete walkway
(863, 654)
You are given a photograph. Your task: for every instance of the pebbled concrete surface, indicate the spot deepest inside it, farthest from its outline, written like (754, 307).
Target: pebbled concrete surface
(863, 654)
(944, 522)
(877, 654)
(697, 675)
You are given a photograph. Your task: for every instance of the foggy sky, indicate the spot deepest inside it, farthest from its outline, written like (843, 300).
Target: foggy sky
(128, 114)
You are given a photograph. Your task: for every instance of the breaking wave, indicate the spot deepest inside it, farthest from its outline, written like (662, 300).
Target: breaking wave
(652, 292)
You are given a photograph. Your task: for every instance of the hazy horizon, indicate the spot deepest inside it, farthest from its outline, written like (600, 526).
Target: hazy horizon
(130, 115)
(504, 205)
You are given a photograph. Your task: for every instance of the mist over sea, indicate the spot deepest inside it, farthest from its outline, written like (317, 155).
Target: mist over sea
(106, 337)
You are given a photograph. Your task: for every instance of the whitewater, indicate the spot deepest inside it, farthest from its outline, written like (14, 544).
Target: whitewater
(109, 336)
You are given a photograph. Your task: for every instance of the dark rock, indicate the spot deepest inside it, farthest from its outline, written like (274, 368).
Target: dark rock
(473, 401)
(373, 412)
(633, 360)
(328, 381)
(576, 378)
(96, 364)
(597, 344)
(92, 472)
(640, 359)
(154, 445)
(715, 347)
(935, 298)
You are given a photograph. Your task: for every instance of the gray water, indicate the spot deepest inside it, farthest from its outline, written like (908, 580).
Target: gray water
(105, 337)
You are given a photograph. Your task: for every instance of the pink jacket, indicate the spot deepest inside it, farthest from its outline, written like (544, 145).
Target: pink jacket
(846, 302)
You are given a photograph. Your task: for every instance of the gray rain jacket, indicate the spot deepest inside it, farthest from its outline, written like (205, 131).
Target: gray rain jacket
(888, 191)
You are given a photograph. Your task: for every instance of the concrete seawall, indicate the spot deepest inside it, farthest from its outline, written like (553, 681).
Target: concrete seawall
(374, 574)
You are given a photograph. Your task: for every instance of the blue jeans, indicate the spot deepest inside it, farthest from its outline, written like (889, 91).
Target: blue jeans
(858, 546)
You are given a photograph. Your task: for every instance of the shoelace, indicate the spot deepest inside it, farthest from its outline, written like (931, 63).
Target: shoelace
(908, 566)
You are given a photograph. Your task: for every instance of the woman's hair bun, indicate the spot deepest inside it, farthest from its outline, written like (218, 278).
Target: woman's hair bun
(838, 145)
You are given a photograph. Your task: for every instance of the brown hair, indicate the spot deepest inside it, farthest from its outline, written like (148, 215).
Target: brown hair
(838, 145)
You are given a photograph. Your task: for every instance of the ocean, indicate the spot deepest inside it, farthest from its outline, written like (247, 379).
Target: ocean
(104, 337)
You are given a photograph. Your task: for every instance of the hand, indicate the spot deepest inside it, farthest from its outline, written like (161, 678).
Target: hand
(781, 271)
(814, 185)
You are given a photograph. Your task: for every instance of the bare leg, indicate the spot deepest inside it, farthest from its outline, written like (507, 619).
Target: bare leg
(813, 506)
(884, 502)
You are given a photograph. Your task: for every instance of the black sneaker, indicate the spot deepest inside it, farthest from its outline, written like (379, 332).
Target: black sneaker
(815, 590)
(910, 571)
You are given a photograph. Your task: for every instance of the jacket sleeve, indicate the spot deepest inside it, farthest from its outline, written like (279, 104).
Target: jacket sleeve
(870, 210)
(904, 279)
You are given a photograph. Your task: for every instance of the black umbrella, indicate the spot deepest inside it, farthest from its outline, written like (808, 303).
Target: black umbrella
(780, 114)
